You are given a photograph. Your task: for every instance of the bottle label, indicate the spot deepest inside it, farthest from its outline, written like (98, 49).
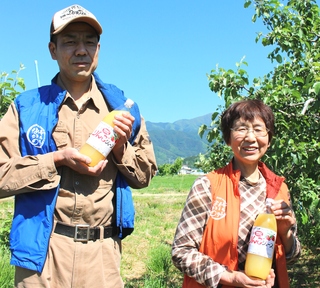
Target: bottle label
(103, 138)
(262, 242)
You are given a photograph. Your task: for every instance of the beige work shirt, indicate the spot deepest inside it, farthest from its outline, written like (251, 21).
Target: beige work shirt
(82, 198)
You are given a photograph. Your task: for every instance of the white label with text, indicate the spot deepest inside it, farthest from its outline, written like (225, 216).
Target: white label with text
(262, 242)
(103, 138)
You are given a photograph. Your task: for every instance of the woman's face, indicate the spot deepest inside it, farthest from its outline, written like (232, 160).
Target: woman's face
(249, 141)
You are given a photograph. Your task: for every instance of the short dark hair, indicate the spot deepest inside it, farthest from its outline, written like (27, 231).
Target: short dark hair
(53, 37)
(248, 110)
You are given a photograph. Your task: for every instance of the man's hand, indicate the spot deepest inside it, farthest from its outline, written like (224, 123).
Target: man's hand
(78, 162)
(123, 127)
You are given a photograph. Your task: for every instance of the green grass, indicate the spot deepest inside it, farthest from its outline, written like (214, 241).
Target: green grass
(158, 210)
(169, 184)
(6, 270)
(146, 260)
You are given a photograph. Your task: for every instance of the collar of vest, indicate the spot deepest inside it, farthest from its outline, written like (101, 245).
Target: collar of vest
(274, 181)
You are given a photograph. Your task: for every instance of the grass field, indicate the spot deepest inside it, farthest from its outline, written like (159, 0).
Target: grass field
(146, 260)
(158, 210)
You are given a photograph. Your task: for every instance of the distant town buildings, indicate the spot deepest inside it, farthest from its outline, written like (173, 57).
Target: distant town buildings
(187, 170)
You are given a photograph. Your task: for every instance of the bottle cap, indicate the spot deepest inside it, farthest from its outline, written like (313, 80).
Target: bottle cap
(269, 202)
(129, 103)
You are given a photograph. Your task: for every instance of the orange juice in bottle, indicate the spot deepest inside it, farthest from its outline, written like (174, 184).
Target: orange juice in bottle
(261, 245)
(103, 138)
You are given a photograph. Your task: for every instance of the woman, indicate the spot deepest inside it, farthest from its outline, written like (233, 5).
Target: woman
(211, 239)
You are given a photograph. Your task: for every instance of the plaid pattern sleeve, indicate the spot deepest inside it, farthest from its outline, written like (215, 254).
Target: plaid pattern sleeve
(295, 252)
(185, 248)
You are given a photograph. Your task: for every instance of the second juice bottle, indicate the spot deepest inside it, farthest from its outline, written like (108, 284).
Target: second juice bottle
(262, 244)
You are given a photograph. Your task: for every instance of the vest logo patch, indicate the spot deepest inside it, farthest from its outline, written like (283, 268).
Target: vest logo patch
(36, 135)
(218, 210)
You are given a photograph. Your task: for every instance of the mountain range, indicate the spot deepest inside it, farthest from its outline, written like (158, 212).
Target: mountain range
(178, 139)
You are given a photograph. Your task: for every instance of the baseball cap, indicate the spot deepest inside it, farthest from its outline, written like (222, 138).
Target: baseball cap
(73, 13)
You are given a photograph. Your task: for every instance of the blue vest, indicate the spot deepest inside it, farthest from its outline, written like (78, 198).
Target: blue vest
(33, 216)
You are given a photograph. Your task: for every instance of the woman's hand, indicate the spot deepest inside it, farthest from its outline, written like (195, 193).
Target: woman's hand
(284, 215)
(285, 220)
(270, 279)
(240, 279)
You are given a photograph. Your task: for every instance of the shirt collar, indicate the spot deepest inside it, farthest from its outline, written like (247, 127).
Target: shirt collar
(95, 94)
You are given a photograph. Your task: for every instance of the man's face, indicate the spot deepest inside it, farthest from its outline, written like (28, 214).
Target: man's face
(76, 51)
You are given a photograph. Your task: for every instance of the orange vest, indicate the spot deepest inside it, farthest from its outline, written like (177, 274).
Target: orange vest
(220, 236)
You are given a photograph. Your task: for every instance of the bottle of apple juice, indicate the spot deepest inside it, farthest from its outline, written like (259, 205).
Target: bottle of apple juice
(262, 244)
(103, 138)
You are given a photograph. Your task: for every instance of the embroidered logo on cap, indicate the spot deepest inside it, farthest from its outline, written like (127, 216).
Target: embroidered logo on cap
(73, 11)
(71, 14)
(36, 135)
(218, 210)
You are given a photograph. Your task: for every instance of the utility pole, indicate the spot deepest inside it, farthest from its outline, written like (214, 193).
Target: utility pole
(37, 72)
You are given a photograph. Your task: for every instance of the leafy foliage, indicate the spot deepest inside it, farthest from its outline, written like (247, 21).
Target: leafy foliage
(292, 90)
(5, 231)
(8, 88)
(6, 214)
(170, 169)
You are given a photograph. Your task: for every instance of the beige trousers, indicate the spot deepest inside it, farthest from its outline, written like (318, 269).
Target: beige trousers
(72, 264)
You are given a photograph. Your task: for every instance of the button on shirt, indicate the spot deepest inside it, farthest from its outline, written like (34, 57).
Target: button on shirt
(83, 198)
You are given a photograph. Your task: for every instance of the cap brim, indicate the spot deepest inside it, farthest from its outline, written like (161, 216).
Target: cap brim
(92, 22)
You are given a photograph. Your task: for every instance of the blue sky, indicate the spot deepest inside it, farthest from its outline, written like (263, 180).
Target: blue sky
(157, 52)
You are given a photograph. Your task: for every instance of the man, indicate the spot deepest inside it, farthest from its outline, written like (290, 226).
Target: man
(70, 218)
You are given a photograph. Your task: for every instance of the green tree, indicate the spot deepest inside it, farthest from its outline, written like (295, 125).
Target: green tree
(176, 166)
(9, 88)
(170, 169)
(292, 89)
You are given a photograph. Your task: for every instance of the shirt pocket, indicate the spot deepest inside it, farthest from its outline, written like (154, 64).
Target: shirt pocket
(60, 135)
